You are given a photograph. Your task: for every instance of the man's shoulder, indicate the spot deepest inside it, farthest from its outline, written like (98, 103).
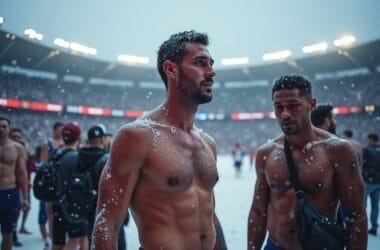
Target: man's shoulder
(271, 145)
(69, 157)
(140, 128)
(204, 135)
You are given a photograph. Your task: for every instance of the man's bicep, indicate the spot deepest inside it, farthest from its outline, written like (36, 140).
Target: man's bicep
(261, 193)
(349, 181)
(21, 161)
(121, 174)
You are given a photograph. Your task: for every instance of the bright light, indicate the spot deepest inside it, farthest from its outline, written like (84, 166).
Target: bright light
(82, 48)
(131, 59)
(32, 34)
(344, 41)
(319, 47)
(61, 43)
(1, 20)
(279, 55)
(235, 61)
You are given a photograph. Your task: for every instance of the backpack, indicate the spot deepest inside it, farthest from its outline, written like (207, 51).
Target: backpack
(47, 183)
(80, 193)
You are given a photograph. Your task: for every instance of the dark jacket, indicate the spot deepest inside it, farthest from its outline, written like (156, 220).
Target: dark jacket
(371, 164)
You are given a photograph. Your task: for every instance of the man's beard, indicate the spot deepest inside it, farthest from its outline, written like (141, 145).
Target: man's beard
(332, 129)
(187, 88)
(296, 128)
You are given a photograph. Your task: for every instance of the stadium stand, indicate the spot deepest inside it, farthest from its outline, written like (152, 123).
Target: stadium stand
(73, 85)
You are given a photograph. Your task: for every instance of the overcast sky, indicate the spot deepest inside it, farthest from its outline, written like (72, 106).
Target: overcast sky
(237, 28)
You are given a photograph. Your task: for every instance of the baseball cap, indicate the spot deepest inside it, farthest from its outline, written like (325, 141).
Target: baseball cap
(97, 131)
(70, 132)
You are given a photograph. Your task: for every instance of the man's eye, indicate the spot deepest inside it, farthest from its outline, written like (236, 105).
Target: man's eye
(199, 62)
(277, 106)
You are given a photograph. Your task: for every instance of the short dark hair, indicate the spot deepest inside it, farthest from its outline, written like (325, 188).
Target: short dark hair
(57, 125)
(19, 130)
(373, 136)
(320, 113)
(348, 133)
(293, 82)
(3, 118)
(174, 49)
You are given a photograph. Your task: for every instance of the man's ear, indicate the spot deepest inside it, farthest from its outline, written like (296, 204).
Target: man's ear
(170, 69)
(313, 103)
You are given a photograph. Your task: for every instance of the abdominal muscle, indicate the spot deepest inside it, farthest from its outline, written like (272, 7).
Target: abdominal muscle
(281, 223)
(174, 220)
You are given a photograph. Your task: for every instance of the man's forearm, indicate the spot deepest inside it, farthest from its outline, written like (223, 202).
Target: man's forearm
(102, 239)
(23, 180)
(357, 235)
(256, 232)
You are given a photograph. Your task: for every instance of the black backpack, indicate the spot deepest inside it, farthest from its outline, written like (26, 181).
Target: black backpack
(47, 183)
(80, 193)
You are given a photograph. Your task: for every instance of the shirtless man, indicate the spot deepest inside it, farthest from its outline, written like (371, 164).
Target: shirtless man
(12, 168)
(161, 165)
(327, 166)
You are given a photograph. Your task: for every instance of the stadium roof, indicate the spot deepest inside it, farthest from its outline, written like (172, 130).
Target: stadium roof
(25, 53)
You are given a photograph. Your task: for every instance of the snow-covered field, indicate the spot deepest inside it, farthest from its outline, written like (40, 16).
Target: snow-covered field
(233, 199)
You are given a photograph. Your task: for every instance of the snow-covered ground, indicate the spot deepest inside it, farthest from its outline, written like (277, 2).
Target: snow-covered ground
(233, 199)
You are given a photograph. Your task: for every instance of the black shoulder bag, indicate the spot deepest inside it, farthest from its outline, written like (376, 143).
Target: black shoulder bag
(315, 231)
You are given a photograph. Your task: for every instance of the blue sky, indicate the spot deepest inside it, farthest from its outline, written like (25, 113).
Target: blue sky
(238, 28)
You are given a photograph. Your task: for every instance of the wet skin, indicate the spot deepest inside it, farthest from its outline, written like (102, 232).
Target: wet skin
(164, 168)
(328, 171)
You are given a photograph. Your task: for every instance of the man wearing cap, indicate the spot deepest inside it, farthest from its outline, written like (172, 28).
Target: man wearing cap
(77, 233)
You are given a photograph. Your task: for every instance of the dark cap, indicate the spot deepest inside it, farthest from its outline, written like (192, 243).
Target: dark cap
(70, 132)
(97, 131)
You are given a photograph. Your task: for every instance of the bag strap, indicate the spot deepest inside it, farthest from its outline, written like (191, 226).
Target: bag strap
(59, 153)
(293, 170)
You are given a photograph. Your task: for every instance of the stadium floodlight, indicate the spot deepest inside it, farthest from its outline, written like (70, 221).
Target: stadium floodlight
(235, 61)
(32, 34)
(279, 55)
(1, 20)
(345, 41)
(131, 59)
(77, 47)
(315, 48)
(61, 43)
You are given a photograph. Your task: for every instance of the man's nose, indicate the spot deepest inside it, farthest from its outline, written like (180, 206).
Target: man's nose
(210, 72)
(285, 113)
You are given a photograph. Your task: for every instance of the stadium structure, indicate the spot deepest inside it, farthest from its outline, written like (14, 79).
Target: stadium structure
(41, 84)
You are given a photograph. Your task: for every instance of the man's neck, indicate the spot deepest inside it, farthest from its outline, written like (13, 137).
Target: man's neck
(72, 146)
(298, 141)
(180, 114)
(4, 141)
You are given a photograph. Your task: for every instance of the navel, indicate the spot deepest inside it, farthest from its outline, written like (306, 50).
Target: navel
(203, 237)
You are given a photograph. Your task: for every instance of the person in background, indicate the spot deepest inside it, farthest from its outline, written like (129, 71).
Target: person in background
(371, 175)
(12, 170)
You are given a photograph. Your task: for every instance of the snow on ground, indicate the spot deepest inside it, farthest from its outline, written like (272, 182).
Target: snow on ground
(233, 200)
